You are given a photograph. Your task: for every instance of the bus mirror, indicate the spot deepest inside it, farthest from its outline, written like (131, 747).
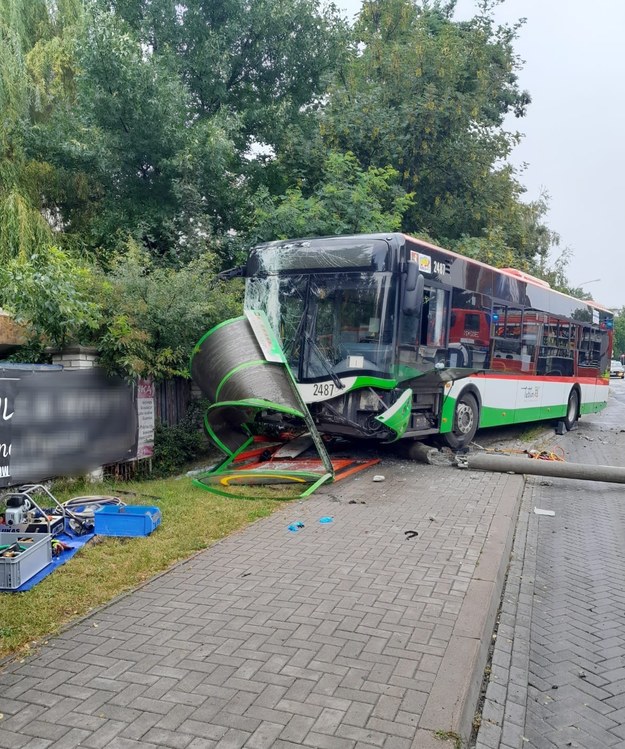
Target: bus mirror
(413, 297)
(412, 276)
(237, 272)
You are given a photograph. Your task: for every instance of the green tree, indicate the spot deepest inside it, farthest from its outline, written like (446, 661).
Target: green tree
(133, 116)
(154, 315)
(521, 239)
(44, 286)
(428, 96)
(51, 295)
(347, 200)
(171, 101)
(263, 61)
(22, 225)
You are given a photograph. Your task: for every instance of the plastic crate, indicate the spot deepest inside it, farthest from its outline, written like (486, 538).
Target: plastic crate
(38, 554)
(128, 520)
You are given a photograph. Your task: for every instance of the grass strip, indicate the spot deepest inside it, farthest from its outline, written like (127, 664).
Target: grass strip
(192, 519)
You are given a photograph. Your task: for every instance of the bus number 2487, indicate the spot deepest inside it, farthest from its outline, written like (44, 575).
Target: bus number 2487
(323, 390)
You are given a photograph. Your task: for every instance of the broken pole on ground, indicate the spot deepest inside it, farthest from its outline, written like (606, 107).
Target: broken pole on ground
(538, 467)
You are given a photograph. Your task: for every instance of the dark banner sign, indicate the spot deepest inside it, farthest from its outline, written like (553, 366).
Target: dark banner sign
(8, 387)
(56, 422)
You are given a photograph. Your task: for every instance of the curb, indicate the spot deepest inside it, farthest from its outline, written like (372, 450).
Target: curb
(455, 693)
(505, 703)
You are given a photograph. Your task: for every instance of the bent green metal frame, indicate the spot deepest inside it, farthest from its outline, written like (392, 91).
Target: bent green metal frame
(253, 338)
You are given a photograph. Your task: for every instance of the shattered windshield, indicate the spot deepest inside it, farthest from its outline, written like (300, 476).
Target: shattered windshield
(329, 324)
(319, 254)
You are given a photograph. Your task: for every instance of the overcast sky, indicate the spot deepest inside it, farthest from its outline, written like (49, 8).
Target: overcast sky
(574, 129)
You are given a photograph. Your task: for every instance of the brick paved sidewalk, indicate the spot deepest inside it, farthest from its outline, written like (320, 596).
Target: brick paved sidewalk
(558, 671)
(344, 635)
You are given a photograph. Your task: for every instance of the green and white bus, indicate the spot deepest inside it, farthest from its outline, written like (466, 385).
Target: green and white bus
(390, 337)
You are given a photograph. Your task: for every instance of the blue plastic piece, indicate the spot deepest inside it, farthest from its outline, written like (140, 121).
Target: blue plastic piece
(128, 520)
(294, 527)
(326, 519)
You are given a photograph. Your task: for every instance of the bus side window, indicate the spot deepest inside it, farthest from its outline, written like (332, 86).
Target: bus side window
(506, 342)
(469, 330)
(588, 353)
(529, 341)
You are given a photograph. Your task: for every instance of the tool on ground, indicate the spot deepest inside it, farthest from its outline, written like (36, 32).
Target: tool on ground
(8, 551)
(32, 508)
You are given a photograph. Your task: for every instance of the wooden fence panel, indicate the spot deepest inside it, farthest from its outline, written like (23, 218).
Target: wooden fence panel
(172, 399)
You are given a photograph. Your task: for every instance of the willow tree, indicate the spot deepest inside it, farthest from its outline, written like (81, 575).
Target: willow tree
(41, 284)
(22, 227)
(36, 81)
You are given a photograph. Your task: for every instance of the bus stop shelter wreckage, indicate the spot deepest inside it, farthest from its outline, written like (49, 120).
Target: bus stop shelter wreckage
(232, 364)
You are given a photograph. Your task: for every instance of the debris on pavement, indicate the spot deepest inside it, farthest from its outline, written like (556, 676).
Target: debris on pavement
(422, 453)
(538, 511)
(545, 455)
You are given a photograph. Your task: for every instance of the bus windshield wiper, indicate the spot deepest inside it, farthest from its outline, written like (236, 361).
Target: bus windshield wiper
(324, 361)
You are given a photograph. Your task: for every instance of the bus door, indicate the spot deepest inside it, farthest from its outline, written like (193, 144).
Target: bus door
(433, 333)
(556, 363)
(589, 362)
(423, 334)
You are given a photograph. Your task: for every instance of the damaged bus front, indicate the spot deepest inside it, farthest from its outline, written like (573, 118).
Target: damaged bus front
(364, 339)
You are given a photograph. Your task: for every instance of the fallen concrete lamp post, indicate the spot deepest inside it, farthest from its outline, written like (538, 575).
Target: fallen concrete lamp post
(554, 469)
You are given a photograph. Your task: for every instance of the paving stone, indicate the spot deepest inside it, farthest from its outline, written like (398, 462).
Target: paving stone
(173, 739)
(140, 726)
(10, 738)
(102, 736)
(297, 728)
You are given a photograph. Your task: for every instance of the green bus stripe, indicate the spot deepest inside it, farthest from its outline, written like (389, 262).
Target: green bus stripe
(365, 381)
(492, 417)
(230, 455)
(259, 403)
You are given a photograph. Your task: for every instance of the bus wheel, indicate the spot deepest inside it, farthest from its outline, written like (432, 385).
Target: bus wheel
(466, 420)
(572, 410)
